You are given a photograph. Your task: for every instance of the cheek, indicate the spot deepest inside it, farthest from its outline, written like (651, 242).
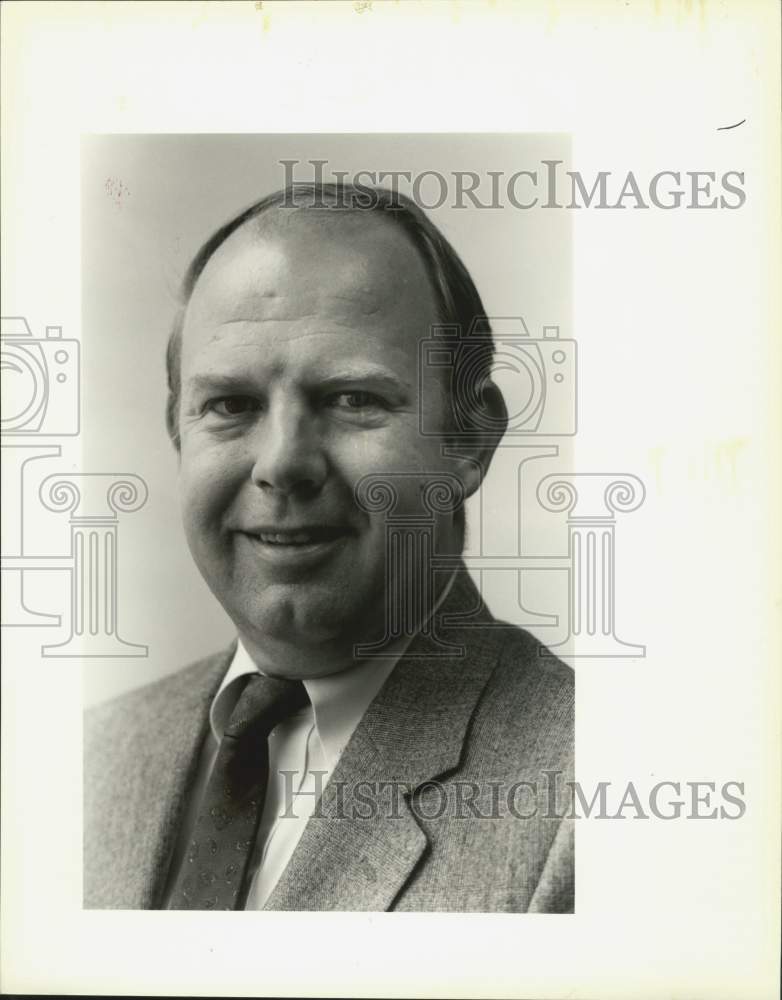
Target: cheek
(208, 482)
(401, 447)
(413, 453)
(397, 457)
(410, 464)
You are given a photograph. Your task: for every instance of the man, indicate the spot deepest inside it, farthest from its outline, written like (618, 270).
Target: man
(374, 739)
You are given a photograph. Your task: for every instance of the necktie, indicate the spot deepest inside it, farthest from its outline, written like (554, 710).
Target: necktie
(214, 871)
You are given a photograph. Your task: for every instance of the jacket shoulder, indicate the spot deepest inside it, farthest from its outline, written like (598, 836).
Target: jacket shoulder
(152, 706)
(529, 702)
(525, 661)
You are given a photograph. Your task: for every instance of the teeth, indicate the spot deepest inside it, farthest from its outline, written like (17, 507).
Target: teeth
(299, 538)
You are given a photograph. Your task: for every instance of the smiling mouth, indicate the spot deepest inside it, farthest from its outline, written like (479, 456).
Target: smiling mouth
(289, 553)
(298, 537)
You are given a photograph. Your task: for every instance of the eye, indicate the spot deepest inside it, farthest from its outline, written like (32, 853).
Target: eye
(358, 399)
(233, 406)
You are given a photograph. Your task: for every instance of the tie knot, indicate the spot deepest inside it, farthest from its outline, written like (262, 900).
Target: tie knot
(264, 702)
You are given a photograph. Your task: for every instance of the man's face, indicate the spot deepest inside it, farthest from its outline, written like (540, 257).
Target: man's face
(299, 377)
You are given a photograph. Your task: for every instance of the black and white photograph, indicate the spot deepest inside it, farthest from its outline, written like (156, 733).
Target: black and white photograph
(390, 551)
(418, 739)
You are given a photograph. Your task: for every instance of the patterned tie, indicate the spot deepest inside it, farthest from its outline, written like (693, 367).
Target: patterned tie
(214, 871)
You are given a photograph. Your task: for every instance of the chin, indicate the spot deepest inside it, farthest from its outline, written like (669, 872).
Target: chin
(300, 616)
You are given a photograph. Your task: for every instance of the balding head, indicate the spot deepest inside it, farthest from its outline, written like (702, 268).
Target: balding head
(299, 209)
(296, 379)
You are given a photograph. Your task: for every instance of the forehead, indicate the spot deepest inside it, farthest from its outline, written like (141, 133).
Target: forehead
(312, 272)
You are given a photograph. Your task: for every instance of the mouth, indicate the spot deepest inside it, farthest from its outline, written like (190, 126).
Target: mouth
(297, 537)
(300, 547)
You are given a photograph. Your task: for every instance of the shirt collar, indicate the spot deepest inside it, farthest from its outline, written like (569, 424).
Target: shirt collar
(338, 700)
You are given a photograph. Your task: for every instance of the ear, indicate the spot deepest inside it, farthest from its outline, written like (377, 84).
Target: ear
(473, 452)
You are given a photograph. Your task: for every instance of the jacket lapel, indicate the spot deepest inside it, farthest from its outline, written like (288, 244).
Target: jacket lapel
(187, 729)
(141, 755)
(363, 842)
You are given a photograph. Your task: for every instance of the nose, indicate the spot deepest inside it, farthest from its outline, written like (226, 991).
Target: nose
(288, 452)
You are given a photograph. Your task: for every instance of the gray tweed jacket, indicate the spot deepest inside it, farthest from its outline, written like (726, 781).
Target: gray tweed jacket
(444, 824)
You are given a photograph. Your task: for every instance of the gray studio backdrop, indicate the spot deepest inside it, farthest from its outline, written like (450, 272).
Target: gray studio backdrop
(148, 202)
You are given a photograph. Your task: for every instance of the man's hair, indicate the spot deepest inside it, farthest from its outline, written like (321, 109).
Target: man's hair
(457, 298)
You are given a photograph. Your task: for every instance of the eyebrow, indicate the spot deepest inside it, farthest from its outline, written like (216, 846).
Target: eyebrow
(376, 376)
(217, 383)
(379, 377)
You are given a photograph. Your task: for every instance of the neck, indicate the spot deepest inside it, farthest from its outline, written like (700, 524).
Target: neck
(293, 658)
